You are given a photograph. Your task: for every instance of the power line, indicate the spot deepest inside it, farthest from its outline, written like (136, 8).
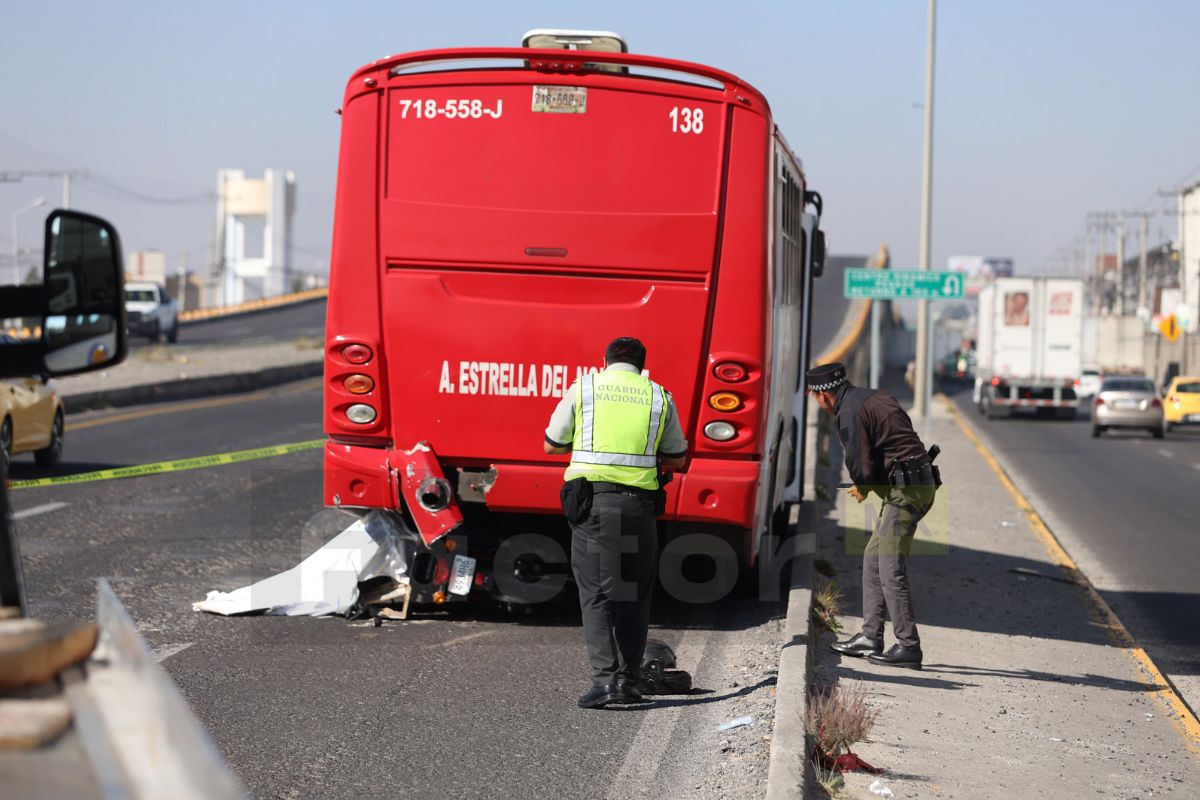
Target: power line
(95, 179)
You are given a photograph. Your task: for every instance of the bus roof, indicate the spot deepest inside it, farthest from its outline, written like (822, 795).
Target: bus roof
(550, 60)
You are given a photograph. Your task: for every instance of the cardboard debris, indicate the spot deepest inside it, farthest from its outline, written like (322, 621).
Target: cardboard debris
(26, 724)
(32, 652)
(327, 581)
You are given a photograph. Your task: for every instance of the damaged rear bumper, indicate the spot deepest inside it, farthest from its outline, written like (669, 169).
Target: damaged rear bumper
(720, 491)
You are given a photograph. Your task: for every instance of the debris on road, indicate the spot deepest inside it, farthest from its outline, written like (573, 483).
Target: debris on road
(327, 582)
(33, 652)
(735, 723)
(29, 723)
(880, 788)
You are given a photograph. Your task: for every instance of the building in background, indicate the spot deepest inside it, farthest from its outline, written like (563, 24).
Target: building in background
(1162, 280)
(195, 291)
(146, 265)
(1189, 236)
(979, 271)
(254, 234)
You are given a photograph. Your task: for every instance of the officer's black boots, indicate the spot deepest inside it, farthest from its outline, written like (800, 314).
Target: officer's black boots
(898, 656)
(624, 690)
(858, 646)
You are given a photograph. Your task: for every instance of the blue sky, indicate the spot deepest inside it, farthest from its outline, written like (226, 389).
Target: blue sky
(1044, 110)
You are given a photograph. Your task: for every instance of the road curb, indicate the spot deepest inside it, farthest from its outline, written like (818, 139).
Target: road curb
(790, 772)
(191, 388)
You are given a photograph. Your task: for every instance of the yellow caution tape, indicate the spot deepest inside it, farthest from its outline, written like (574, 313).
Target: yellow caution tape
(179, 465)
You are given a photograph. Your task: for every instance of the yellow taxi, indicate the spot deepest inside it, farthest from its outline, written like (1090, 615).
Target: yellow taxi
(1181, 403)
(31, 420)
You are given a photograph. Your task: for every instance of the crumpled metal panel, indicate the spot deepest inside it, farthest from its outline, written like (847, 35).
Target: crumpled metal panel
(426, 492)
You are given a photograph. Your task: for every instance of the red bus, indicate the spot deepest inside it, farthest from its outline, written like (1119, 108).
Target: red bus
(501, 215)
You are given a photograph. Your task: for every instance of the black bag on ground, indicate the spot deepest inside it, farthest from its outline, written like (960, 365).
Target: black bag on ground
(576, 496)
(658, 673)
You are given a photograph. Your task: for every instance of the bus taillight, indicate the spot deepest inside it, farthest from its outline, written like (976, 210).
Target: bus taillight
(358, 384)
(357, 353)
(730, 372)
(720, 431)
(725, 401)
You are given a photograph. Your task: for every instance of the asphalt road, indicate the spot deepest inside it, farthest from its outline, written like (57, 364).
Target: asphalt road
(276, 325)
(448, 704)
(451, 703)
(1125, 506)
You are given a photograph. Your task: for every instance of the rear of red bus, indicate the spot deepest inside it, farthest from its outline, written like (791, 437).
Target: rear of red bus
(502, 215)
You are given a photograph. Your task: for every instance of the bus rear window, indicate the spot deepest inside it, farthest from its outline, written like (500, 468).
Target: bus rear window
(553, 148)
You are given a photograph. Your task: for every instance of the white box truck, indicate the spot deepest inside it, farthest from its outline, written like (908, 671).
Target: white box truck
(1029, 346)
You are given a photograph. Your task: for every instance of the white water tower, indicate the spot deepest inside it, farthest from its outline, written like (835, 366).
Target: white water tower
(254, 234)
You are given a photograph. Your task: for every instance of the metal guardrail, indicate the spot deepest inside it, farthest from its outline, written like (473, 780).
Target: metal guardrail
(141, 738)
(201, 314)
(253, 305)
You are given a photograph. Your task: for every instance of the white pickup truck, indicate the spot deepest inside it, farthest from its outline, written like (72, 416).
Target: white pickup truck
(150, 313)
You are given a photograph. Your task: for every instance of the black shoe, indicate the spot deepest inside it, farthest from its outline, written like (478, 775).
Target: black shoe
(898, 656)
(858, 646)
(599, 696)
(629, 690)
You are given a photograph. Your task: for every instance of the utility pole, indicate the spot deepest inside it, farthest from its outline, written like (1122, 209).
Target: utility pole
(182, 291)
(1102, 221)
(1143, 257)
(923, 370)
(1121, 263)
(882, 261)
(1087, 250)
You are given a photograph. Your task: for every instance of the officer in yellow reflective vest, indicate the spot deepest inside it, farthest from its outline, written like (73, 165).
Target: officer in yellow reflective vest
(617, 425)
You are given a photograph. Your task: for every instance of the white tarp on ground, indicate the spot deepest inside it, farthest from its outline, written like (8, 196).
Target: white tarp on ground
(327, 581)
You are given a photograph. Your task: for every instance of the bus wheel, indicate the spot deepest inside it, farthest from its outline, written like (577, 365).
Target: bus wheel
(772, 566)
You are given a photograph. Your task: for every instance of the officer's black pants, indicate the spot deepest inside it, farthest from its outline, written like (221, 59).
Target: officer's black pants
(613, 557)
(885, 564)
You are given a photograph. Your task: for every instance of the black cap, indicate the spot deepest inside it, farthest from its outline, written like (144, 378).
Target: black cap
(826, 377)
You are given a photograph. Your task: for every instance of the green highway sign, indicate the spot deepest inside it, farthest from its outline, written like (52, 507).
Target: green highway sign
(892, 284)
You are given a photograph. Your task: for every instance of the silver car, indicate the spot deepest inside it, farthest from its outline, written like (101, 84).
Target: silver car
(1127, 402)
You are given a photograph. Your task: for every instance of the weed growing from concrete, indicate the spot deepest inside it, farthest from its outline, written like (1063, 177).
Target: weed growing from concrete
(837, 719)
(826, 605)
(831, 782)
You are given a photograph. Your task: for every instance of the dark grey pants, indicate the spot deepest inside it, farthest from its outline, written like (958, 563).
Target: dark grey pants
(613, 555)
(885, 564)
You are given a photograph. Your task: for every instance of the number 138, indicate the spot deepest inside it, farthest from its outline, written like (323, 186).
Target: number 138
(687, 120)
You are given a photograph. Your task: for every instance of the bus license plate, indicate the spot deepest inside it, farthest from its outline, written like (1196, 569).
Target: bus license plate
(462, 573)
(1193, 417)
(560, 99)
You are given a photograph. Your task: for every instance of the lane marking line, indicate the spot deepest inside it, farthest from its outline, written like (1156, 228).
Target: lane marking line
(179, 465)
(193, 405)
(466, 637)
(645, 756)
(168, 650)
(42, 509)
(1178, 711)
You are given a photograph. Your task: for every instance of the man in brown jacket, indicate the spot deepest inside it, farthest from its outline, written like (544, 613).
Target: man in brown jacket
(884, 455)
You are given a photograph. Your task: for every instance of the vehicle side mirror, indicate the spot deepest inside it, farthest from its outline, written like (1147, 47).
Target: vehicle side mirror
(818, 253)
(83, 322)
